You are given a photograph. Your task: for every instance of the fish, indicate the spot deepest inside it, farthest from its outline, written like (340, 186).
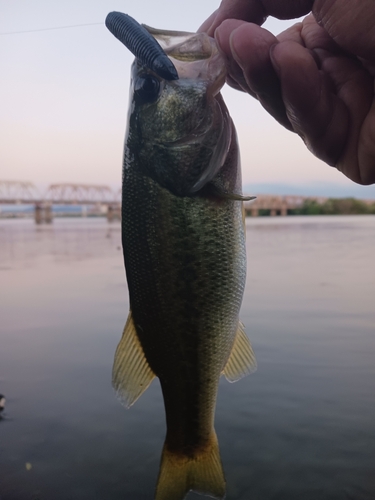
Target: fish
(183, 241)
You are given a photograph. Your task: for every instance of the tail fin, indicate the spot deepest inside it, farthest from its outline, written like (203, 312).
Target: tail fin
(202, 473)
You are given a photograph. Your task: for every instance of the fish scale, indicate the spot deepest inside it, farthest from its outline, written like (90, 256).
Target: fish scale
(185, 295)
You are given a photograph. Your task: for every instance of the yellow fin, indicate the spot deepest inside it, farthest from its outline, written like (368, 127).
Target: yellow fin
(224, 195)
(131, 373)
(201, 472)
(242, 360)
(237, 197)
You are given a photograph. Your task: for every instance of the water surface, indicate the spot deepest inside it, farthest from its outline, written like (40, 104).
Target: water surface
(301, 427)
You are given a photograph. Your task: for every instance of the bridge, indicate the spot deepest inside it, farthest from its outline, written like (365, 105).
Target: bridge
(104, 198)
(81, 194)
(18, 192)
(25, 192)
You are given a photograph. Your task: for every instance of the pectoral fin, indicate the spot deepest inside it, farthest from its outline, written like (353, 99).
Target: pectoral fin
(218, 192)
(242, 360)
(131, 373)
(236, 197)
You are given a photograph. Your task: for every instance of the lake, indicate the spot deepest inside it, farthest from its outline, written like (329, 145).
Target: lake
(301, 427)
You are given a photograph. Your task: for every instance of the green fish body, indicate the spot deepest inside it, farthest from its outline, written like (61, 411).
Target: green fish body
(184, 251)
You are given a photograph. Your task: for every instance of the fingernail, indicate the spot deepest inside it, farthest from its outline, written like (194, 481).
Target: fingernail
(233, 50)
(274, 60)
(221, 44)
(217, 36)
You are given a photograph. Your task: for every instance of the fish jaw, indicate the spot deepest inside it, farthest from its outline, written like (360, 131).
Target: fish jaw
(195, 56)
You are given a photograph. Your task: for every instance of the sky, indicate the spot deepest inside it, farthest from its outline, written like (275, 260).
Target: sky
(64, 97)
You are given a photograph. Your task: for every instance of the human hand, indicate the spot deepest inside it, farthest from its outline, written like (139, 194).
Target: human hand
(316, 78)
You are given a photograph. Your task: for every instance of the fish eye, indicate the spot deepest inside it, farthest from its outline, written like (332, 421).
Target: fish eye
(147, 88)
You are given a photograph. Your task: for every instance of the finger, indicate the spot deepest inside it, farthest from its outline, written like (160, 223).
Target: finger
(222, 36)
(293, 34)
(287, 9)
(245, 10)
(355, 89)
(366, 150)
(207, 23)
(305, 34)
(316, 114)
(235, 85)
(256, 11)
(250, 47)
(350, 23)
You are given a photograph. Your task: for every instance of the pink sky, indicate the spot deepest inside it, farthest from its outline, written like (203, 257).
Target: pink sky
(65, 92)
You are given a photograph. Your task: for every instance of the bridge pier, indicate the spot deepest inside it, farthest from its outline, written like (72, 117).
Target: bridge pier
(275, 205)
(113, 212)
(43, 213)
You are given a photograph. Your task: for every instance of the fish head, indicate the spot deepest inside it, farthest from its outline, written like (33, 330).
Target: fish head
(179, 131)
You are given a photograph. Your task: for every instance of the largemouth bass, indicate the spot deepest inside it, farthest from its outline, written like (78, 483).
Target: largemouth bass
(184, 250)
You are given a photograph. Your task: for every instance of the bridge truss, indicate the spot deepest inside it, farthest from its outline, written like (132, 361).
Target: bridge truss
(17, 192)
(80, 194)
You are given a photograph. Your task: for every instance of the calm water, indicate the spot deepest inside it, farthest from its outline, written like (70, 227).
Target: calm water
(302, 427)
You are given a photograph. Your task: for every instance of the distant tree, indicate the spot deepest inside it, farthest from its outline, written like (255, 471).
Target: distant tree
(345, 206)
(335, 206)
(309, 207)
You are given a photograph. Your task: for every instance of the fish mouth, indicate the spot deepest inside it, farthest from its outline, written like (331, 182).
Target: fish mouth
(187, 155)
(194, 55)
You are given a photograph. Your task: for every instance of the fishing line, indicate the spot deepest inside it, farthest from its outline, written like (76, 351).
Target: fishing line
(50, 29)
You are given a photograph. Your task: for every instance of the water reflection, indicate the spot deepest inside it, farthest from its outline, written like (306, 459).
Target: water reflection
(303, 426)
(23, 243)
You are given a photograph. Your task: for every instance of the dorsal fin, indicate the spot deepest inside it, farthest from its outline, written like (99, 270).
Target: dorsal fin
(242, 360)
(131, 373)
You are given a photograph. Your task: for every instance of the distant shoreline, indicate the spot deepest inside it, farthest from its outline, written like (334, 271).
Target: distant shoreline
(335, 206)
(307, 206)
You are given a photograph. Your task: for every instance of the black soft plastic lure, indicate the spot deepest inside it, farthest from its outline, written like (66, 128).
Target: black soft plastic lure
(142, 44)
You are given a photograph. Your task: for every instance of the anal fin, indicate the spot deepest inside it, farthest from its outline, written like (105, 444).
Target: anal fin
(242, 360)
(131, 373)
